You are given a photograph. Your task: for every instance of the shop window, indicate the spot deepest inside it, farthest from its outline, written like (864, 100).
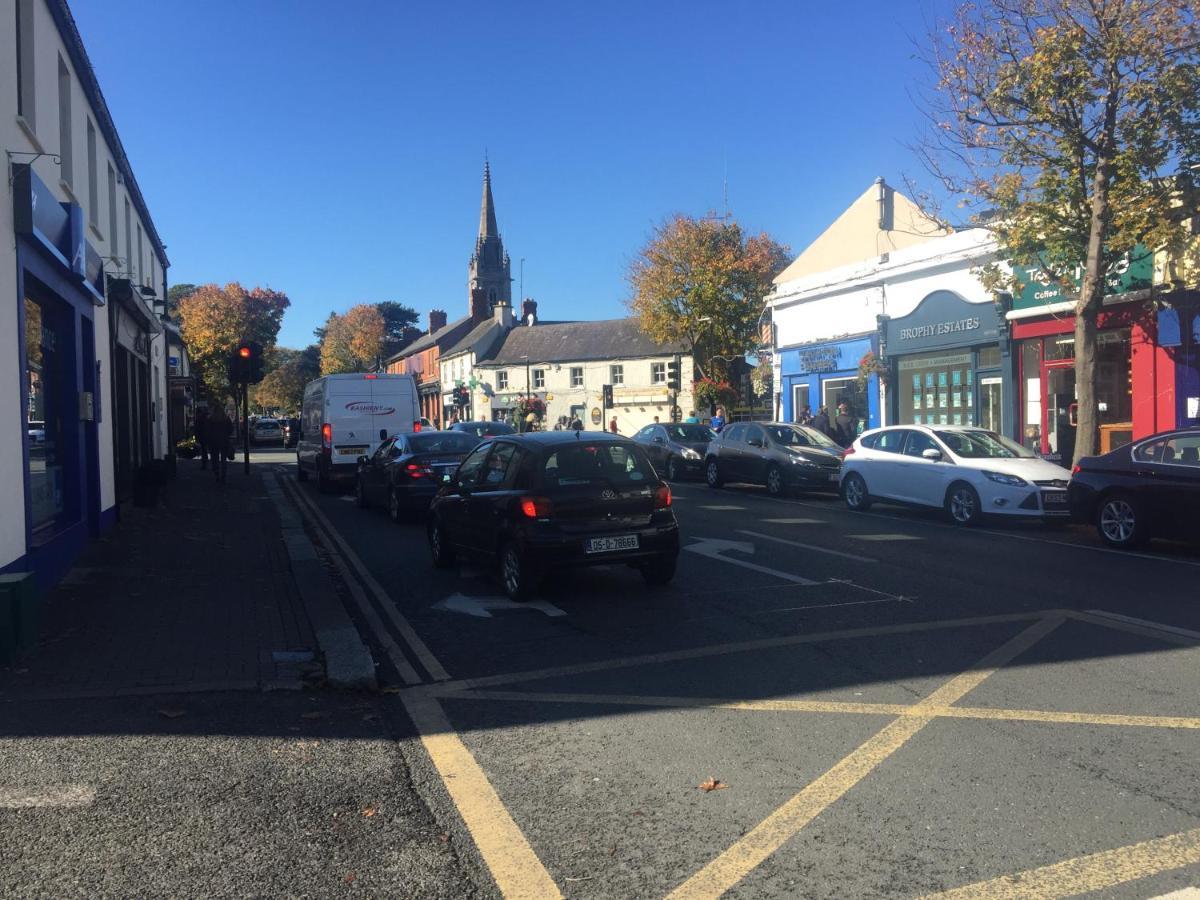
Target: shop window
(836, 390)
(937, 390)
(1031, 408)
(988, 357)
(46, 351)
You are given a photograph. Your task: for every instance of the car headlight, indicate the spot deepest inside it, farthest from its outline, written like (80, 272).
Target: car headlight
(1003, 478)
(689, 453)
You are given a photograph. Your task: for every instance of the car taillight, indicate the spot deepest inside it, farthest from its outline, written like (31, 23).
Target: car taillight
(326, 435)
(849, 450)
(416, 426)
(416, 470)
(536, 507)
(662, 497)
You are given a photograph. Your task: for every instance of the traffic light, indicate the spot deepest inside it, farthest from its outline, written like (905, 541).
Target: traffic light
(246, 363)
(674, 376)
(462, 395)
(608, 400)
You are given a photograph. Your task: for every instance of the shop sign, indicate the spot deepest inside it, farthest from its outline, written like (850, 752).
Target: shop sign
(820, 359)
(1132, 272)
(943, 319)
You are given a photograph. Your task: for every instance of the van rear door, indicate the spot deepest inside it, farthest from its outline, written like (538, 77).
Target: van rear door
(350, 412)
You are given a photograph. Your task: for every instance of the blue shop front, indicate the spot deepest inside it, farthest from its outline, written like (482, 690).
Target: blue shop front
(825, 374)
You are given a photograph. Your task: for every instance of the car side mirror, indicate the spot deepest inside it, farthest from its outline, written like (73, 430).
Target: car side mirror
(932, 455)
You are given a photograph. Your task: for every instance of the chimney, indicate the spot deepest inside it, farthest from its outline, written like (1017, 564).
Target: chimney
(479, 305)
(503, 313)
(437, 320)
(528, 312)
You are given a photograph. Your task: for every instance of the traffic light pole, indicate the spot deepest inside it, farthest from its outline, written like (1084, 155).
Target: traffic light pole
(246, 428)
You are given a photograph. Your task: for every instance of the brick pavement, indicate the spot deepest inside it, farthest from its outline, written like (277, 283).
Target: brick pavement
(194, 594)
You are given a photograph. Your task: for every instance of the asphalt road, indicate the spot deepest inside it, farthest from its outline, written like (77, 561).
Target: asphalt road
(897, 706)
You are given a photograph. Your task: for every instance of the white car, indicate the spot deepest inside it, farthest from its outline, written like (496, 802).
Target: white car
(265, 431)
(967, 471)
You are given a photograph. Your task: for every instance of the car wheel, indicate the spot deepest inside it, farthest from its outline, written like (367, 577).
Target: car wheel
(659, 571)
(439, 548)
(394, 510)
(712, 474)
(516, 573)
(774, 481)
(962, 504)
(672, 469)
(1120, 521)
(360, 494)
(854, 492)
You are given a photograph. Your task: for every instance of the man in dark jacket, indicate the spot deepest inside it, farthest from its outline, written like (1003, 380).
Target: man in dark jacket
(844, 426)
(821, 422)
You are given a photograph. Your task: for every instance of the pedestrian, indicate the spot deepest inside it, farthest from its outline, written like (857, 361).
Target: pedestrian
(612, 426)
(576, 424)
(718, 420)
(201, 431)
(806, 416)
(692, 418)
(219, 432)
(656, 420)
(844, 425)
(821, 421)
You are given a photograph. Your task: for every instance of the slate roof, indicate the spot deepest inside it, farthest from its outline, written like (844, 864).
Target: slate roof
(578, 341)
(452, 333)
(480, 339)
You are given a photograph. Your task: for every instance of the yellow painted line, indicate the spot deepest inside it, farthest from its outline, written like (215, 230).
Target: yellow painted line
(509, 857)
(1089, 873)
(768, 836)
(739, 647)
(1072, 718)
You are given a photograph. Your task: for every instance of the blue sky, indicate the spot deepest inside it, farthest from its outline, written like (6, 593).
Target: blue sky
(337, 156)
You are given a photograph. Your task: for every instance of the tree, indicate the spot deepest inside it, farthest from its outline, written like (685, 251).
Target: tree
(701, 283)
(1076, 123)
(177, 292)
(354, 341)
(214, 319)
(290, 371)
(399, 323)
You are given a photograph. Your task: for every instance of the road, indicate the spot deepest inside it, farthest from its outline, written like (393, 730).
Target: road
(883, 704)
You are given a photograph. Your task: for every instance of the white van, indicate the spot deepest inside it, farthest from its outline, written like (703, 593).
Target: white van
(348, 416)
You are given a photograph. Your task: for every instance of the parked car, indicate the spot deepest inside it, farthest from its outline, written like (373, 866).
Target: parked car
(967, 471)
(406, 470)
(291, 431)
(347, 416)
(676, 449)
(483, 429)
(780, 455)
(36, 431)
(265, 431)
(1147, 489)
(536, 502)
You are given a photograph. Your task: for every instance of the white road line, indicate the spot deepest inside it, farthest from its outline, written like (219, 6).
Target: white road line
(1145, 623)
(795, 521)
(813, 547)
(713, 547)
(884, 537)
(739, 508)
(57, 796)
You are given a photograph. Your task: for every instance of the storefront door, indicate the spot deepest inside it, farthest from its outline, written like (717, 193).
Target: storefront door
(991, 402)
(1059, 411)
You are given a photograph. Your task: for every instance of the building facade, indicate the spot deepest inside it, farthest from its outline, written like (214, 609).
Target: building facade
(84, 270)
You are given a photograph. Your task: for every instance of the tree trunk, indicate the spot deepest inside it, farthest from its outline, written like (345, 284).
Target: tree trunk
(1087, 314)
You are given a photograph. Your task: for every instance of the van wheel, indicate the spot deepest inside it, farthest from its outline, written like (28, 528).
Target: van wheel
(854, 492)
(516, 573)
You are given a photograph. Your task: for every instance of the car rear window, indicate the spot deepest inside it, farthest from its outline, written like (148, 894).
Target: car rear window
(613, 464)
(441, 442)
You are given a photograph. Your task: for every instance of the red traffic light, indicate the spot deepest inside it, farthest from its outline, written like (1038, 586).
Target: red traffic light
(244, 352)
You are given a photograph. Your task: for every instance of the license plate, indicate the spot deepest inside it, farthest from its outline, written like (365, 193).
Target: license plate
(351, 451)
(1056, 499)
(609, 544)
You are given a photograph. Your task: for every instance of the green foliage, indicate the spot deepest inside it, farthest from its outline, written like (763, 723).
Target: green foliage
(290, 370)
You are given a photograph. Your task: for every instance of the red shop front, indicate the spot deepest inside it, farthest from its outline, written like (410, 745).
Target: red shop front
(1135, 388)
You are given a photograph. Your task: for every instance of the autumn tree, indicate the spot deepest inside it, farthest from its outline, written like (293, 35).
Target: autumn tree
(354, 341)
(288, 372)
(702, 283)
(1077, 124)
(214, 319)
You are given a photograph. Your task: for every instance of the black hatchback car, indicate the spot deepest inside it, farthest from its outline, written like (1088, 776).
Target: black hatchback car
(408, 469)
(1142, 490)
(676, 449)
(291, 431)
(556, 499)
(780, 455)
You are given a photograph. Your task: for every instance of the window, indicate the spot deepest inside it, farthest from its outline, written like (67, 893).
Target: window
(937, 390)
(48, 373)
(496, 470)
(128, 243)
(755, 433)
(982, 445)
(468, 472)
(66, 170)
(658, 373)
(613, 465)
(645, 434)
(576, 376)
(93, 180)
(385, 450)
(112, 210)
(837, 390)
(140, 267)
(733, 434)
(539, 378)
(616, 374)
(918, 442)
(1180, 450)
(886, 441)
(25, 67)
(502, 380)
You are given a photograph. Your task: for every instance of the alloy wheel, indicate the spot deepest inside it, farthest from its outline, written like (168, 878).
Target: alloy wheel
(512, 572)
(672, 469)
(393, 505)
(1118, 521)
(963, 507)
(774, 481)
(855, 491)
(711, 474)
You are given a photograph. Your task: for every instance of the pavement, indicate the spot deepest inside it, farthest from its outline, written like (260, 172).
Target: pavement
(822, 704)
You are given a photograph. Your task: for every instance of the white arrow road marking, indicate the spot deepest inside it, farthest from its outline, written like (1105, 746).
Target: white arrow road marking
(480, 606)
(58, 795)
(771, 537)
(715, 547)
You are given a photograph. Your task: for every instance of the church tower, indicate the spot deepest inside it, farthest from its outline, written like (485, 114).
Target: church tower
(490, 270)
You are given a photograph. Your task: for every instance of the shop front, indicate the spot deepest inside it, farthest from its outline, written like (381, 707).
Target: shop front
(948, 364)
(826, 374)
(131, 326)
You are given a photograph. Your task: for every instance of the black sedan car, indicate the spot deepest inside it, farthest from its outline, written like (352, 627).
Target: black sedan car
(407, 470)
(548, 500)
(779, 455)
(1146, 489)
(677, 450)
(483, 429)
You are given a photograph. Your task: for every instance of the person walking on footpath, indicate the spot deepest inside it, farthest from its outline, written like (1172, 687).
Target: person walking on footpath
(201, 431)
(219, 437)
(612, 426)
(806, 416)
(821, 422)
(843, 426)
(718, 421)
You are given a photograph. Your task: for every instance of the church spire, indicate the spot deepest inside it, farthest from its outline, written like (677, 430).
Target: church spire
(487, 210)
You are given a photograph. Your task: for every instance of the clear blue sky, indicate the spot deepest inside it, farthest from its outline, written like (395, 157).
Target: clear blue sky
(334, 151)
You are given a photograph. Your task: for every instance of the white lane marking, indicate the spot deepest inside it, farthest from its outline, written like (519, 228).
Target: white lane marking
(1145, 623)
(813, 547)
(884, 537)
(481, 607)
(795, 521)
(348, 499)
(59, 796)
(740, 508)
(714, 548)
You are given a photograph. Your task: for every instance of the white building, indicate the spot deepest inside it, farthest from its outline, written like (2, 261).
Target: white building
(457, 364)
(85, 351)
(566, 366)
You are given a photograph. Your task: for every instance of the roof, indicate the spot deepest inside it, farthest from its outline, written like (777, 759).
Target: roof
(451, 332)
(480, 338)
(578, 341)
(552, 438)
